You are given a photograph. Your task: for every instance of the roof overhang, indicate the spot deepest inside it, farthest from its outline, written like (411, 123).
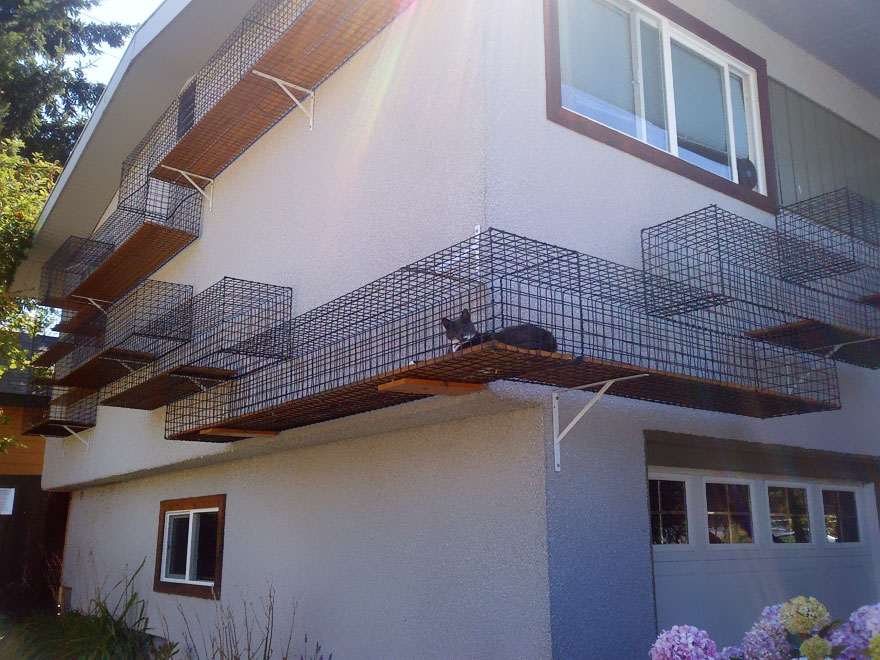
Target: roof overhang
(843, 33)
(167, 50)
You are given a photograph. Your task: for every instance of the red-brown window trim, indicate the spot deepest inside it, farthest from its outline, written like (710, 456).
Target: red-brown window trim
(185, 504)
(557, 113)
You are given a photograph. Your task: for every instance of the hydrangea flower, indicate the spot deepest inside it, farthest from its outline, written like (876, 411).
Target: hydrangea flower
(802, 615)
(815, 648)
(767, 639)
(731, 652)
(856, 634)
(684, 643)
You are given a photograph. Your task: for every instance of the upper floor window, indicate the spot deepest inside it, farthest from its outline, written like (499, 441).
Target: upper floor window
(667, 94)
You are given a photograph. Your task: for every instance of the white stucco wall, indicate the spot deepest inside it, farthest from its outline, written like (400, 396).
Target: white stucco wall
(416, 544)
(437, 125)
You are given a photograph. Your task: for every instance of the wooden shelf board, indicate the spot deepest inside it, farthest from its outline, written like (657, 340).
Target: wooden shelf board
(326, 34)
(821, 338)
(429, 387)
(148, 248)
(54, 353)
(495, 361)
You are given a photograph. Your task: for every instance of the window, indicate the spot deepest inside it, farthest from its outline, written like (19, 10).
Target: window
(841, 517)
(668, 502)
(628, 73)
(7, 498)
(186, 110)
(729, 509)
(190, 546)
(789, 514)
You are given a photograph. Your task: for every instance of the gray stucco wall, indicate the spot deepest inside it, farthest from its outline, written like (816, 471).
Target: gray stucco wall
(427, 543)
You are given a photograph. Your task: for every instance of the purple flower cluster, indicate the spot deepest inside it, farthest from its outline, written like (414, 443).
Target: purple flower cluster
(684, 643)
(767, 640)
(856, 633)
(732, 653)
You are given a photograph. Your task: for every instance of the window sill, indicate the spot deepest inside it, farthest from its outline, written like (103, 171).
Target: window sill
(593, 129)
(189, 590)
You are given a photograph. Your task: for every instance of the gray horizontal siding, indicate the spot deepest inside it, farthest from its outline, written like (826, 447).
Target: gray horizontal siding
(818, 151)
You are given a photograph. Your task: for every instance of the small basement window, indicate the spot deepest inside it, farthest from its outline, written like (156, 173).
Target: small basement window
(190, 546)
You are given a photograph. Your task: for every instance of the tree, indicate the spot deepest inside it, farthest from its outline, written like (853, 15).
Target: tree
(44, 100)
(24, 186)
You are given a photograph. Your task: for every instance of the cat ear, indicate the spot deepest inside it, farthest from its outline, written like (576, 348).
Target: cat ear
(446, 323)
(465, 315)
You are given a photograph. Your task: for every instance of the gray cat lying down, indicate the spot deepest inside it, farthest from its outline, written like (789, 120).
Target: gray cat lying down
(463, 334)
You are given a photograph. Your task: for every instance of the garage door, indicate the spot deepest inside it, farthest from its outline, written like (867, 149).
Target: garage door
(726, 545)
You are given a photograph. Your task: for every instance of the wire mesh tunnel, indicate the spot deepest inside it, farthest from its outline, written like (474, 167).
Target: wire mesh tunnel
(227, 105)
(233, 327)
(540, 313)
(68, 266)
(737, 265)
(135, 330)
(844, 224)
(72, 409)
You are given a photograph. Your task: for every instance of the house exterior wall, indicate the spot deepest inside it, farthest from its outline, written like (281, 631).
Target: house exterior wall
(437, 125)
(426, 543)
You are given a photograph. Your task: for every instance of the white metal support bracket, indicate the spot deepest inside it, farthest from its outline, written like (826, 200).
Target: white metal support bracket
(196, 382)
(206, 188)
(97, 302)
(557, 435)
(286, 87)
(837, 347)
(76, 435)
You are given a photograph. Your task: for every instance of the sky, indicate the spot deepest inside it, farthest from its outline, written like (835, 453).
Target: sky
(121, 11)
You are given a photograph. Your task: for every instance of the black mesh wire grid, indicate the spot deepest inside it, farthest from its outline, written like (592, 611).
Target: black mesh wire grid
(72, 409)
(844, 225)
(135, 330)
(233, 327)
(737, 265)
(346, 353)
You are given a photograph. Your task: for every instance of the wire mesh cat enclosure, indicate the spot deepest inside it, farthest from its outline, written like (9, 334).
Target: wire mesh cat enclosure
(737, 265)
(376, 346)
(139, 327)
(72, 409)
(232, 328)
(844, 224)
(280, 53)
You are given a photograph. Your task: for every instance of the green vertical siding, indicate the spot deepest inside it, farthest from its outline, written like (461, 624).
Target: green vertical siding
(818, 151)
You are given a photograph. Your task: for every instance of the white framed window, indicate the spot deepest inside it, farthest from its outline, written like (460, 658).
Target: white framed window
(789, 506)
(190, 546)
(636, 71)
(668, 505)
(841, 515)
(729, 519)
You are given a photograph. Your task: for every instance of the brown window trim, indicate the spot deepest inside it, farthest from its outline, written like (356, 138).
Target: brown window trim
(556, 113)
(192, 590)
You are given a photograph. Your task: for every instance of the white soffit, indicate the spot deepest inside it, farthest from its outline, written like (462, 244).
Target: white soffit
(167, 50)
(845, 34)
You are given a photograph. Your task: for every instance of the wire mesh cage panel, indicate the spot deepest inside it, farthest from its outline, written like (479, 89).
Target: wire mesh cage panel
(534, 312)
(737, 264)
(71, 410)
(139, 327)
(68, 266)
(228, 106)
(844, 224)
(234, 327)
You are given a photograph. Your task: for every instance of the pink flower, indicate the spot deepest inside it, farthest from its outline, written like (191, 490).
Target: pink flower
(684, 643)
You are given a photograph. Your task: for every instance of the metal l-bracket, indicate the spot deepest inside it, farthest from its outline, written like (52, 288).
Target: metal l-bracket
(837, 347)
(76, 435)
(206, 189)
(557, 435)
(286, 87)
(97, 302)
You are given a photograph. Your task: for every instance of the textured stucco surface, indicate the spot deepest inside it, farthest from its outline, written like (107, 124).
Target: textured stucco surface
(415, 544)
(437, 125)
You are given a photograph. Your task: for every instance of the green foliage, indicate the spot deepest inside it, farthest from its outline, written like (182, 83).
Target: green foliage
(25, 184)
(113, 628)
(44, 98)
